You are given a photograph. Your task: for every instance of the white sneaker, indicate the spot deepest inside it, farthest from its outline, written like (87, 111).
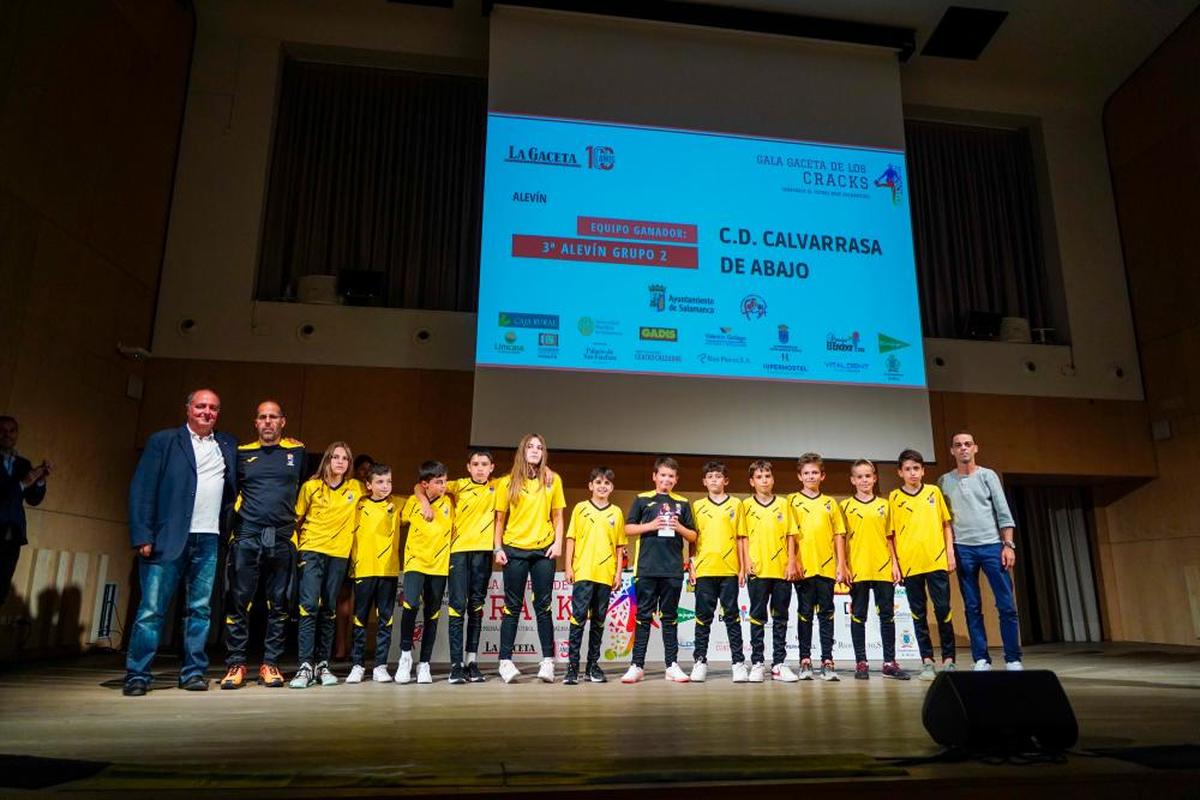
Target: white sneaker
(676, 675)
(741, 673)
(983, 665)
(756, 673)
(508, 671)
(423, 673)
(380, 674)
(633, 674)
(699, 672)
(546, 671)
(806, 671)
(1014, 666)
(782, 672)
(356, 674)
(404, 671)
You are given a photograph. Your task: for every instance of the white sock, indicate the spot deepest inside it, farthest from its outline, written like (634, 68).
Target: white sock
(470, 658)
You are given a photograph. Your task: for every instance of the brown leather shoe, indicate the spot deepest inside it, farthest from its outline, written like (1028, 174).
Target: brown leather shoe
(235, 678)
(270, 676)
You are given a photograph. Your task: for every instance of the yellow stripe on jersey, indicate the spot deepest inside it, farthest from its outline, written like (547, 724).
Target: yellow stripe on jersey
(817, 520)
(597, 532)
(474, 515)
(427, 548)
(328, 515)
(767, 528)
(918, 522)
(376, 550)
(528, 526)
(868, 526)
(717, 528)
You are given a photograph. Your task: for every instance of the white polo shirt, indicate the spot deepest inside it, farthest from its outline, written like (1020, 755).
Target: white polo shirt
(210, 484)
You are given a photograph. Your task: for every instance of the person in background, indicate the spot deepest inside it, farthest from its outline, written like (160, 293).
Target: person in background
(20, 483)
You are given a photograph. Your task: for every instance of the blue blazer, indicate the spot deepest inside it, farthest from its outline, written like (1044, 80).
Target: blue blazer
(13, 498)
(164, 491)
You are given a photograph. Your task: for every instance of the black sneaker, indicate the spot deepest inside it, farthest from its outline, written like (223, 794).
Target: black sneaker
(134, 688)
(196, 683)
(473, 673)
(572, 676)
(595, 674)
(456, 674)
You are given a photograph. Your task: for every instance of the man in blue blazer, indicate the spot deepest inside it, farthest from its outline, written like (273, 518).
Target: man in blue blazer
(20, 483)
(179, 504)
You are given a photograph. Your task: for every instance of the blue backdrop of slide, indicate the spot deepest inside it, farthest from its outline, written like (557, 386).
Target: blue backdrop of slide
(642, 250)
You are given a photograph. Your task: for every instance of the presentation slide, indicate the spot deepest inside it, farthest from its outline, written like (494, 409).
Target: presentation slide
(616, 248)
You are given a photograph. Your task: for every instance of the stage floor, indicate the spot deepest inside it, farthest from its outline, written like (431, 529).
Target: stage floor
(598, 739)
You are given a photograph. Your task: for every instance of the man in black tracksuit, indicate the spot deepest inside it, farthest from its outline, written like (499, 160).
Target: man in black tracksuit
(268, 478)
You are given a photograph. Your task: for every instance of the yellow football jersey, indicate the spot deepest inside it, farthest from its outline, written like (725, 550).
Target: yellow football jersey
(427, 548)
(715, 550)
(767, 527)
(474, 515)
(817, 519)
(918, 522)
(528, 526)
(597, 532)
(376, 550)
(328, 514)
(868, 527)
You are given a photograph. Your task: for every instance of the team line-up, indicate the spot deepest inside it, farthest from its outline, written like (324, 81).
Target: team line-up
(311, 534)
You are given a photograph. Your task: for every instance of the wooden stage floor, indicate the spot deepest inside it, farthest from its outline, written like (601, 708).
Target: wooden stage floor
(587, 740)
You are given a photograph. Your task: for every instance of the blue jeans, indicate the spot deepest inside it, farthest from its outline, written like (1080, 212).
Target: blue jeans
(971, 559)
(197, 565)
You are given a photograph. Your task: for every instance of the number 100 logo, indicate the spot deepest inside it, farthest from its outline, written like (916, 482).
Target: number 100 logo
(600, 157)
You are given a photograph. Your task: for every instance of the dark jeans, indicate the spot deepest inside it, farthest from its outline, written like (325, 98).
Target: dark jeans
(885, 607)
(197, 566)
(320, 578)
(709, 591)
(589, 601)
(379, 593)
(421, 590)
(469, 575)
(661, 595)
(249, 559)
(775, 593)
(814, 598)
(10, 554)
(522, 566)
(971, 559)
(937, 585)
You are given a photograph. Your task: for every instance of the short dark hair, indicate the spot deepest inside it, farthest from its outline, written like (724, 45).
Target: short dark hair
(714, 466)
(666, 461)
(7, 418)
(363, 458)
(760, 464)
(481, 451)
(379, 469)
(910, 455)
(602, 472)
(810, 458)
(430, 470)
(961, 432)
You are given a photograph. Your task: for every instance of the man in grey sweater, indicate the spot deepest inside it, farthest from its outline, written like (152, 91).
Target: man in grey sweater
(983, 540)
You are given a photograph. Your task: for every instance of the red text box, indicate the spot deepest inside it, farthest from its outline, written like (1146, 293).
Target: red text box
(559, 248)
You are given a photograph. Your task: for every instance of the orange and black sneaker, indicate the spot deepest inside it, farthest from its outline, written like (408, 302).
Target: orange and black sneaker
(270, 676)
(235, 678)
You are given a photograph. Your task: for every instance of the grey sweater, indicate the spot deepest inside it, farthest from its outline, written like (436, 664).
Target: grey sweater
(978, 505)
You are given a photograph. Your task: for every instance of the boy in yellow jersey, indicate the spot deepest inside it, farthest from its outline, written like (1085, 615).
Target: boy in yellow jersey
(324, 534)
(594, 551)
(426, 565)
(872, 564)
(821, 538)
(375, 568)
(717, 570)
(770, 555)
(663, 522)
(925, 553)
(470, 559)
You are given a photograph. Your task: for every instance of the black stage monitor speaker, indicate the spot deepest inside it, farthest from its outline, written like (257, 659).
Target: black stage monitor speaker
(982, 325)
(1000, 712)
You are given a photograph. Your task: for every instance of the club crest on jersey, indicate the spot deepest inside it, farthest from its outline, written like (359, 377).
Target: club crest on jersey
(779, 516)
(291, 459)
(932, 500)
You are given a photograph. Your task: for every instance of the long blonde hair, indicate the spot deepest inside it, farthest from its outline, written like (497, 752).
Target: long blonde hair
(325, 470)
(520, 469)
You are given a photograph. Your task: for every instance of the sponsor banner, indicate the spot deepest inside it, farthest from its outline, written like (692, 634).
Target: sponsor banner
(621, 621)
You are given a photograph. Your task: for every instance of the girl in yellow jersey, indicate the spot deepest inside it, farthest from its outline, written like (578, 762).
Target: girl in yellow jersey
(325, 533)
(528, 538)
